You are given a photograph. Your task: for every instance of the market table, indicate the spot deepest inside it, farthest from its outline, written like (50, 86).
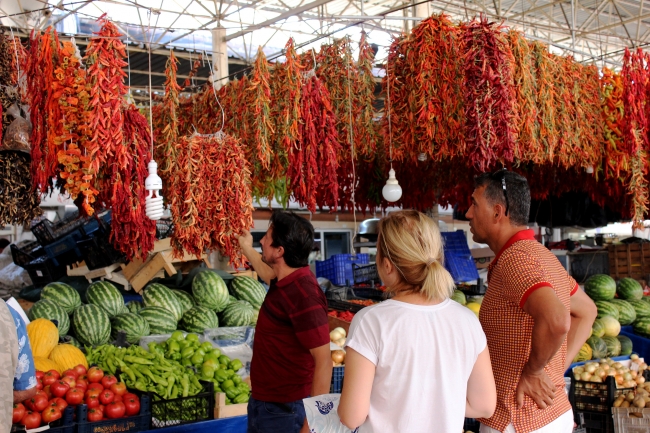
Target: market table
(237, 424)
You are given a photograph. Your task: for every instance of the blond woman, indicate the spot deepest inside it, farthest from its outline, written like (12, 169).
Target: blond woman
(417, 362)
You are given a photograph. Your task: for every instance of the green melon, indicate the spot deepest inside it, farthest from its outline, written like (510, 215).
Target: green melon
(157, 295)
(64, 295)
(210, 290)
(105, 295)
(641, 308)
(459, 297)
(626, 312)
(239, 313)
(186, 300)
(50, 310)
(91, 325)
(612, 326)
(598, 347)
(642, 327)
(626, 345)
(598, 328)
(584, 354)
(133, 325)
(161, 321)
(198, 319)
(607, 308)
(248, 289)
(256, 315)
(613, 346)
(68, 339)
(600, 287)
(629, 289)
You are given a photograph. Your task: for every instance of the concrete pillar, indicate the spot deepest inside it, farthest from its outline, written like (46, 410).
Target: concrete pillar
(422, 11)
(219, 57)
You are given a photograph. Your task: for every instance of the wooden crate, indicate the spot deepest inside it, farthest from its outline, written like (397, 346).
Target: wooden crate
(631, 261)
(223, 410)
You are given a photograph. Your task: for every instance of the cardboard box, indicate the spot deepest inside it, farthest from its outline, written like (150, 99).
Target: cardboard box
(482, 257)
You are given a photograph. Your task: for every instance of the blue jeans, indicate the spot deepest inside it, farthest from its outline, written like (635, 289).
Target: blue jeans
(267, 417)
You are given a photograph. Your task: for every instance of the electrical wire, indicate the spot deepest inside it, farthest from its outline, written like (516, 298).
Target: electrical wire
(351, 138)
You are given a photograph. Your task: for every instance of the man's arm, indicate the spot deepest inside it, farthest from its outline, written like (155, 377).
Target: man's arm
(323, 370)
(552, 323)
(20, 396)
(583, 314)
(263, 270)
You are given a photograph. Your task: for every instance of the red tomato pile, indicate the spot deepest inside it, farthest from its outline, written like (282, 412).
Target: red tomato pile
(105, 397)
(343, 315)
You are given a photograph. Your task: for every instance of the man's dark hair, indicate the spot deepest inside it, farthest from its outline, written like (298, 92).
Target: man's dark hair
(515, 198)
(295, 234)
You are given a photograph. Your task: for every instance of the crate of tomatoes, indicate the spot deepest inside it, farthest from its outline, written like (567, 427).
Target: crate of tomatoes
(83, 401)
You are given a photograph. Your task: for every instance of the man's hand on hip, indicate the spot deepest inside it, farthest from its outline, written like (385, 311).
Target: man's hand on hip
(536, 385)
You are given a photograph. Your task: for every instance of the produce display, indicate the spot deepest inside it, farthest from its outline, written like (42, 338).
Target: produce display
(472, 302)
(626, 377)
(343, 315)
(337, 336)
(105, 397)
(639, 398)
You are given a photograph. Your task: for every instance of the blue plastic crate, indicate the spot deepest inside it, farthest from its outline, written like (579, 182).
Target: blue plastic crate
(338, 268)
(458, 258)
(136, 423)
(65, 250)
(337, 379)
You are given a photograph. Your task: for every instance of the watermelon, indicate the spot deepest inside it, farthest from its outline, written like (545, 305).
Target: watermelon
(50, 310)
(64, 295)
(598, 328)
(600, 287)
(69, 339)
(584, 354)
(91, 325)
(198, 319)
(646, 299)
(629, 289)
(607, 308)
(641, 308)
(186, 300)
(157, 295)
(626, 345)
(613, 346)
(161, 321)
(105, 295)
(459, 297)
(210, 290)
(256, 315)
(248, 289)
(642, 327)
(598, 347)
(231, 299)
(134, 306)
(133, 325)
(239, 313)
(626, 312)
(612, 326)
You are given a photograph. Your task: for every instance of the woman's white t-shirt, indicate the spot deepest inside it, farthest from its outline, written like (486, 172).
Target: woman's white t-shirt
(424, 355)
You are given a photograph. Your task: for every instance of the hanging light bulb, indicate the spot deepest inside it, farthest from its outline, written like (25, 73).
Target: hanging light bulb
(392, 191)
(153, 205)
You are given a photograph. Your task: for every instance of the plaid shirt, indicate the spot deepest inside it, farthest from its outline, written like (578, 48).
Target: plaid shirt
(521, 267)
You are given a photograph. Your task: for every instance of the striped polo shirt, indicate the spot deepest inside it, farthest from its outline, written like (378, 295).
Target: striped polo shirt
(522, 266)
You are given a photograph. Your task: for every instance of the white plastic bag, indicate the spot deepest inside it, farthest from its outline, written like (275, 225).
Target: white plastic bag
(322, 415)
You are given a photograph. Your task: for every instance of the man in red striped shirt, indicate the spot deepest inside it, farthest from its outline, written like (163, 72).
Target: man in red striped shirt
(291, 354)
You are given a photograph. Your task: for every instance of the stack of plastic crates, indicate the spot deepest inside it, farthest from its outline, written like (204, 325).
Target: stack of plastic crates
(592, 403)
(337, 379)
(338, 268)
(458, 258)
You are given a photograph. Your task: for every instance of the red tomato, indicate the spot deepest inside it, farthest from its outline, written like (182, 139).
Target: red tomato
(37, 403)
(51, 414)
(48, 392)
(132, 405)
(31, 420)
(95, 375)
(39, 375)
(80, 369)
(39, 384)
(83, 376)
(92, 401)
(108, 380)
(92, 393)
(95, 386)
(129, 395)
(118, 388)
(59, 403)
(106, 397)
(115, 410)
(71, 373)
(95, 414)
(51, 377)
(19, 413)
(74, 396)
(118, 398)
(82, 384)
(59, 388)
(71, 381)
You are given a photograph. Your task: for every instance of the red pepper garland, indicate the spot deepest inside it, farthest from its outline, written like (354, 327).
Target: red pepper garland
(490, 99)
(363, 90)
(615, 162)
(260, 89)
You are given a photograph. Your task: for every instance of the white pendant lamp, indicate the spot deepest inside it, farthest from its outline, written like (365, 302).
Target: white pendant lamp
(153, 184)
(391, 191)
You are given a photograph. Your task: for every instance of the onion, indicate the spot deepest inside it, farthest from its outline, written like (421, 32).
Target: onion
(585, 376)
(639, 380)
(335, 334)
(590, 368)
(634, 374)
(576, 376)
(617, 365)
(611, 373)
(579, 370)
(605, 366)
(619, 379)
(600, 373)
(596, 379)
(338, 356)
(634, 357)
(629, 396)
(643, 366)
(627, 376)
(340, 342)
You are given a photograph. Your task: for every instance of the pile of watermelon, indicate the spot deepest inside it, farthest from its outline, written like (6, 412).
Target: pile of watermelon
(162, 310)
(619, 304)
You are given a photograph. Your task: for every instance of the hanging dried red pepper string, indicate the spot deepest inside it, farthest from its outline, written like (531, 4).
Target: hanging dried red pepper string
(612, 112)
(363, 93)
